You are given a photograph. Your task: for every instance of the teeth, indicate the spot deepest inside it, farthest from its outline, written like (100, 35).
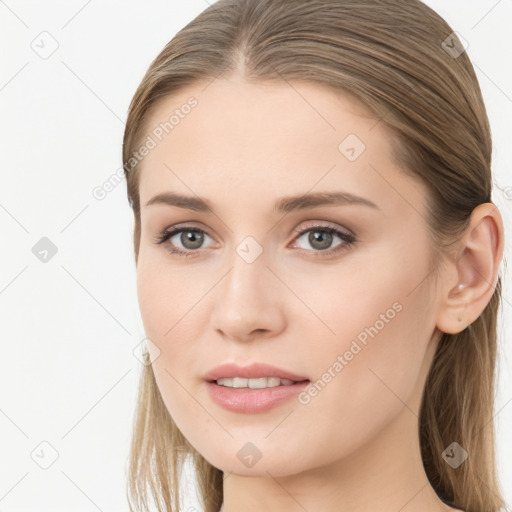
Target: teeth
(263, 382)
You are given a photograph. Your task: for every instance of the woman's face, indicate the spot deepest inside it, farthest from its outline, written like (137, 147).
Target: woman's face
(262, 281)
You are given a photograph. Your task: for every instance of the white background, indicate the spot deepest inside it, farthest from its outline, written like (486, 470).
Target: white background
(67, 372)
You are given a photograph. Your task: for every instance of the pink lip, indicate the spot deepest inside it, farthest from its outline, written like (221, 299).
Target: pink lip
(251, 401)
(253, 371)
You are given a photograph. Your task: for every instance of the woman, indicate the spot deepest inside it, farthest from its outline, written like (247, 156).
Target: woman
(317, 261)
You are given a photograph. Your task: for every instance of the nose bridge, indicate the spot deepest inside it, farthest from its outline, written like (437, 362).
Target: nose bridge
(249, 274)
(246, 300)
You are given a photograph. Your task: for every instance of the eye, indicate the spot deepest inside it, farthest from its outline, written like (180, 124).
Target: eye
(321, 239)
(190, 238)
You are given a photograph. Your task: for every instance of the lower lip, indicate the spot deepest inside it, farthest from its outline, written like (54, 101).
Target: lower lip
(252, 401)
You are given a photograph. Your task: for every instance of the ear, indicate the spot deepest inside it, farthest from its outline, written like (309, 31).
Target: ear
(472, 275)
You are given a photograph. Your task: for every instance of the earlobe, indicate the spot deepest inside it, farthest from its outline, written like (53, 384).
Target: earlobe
(453, 317)
(476, 269)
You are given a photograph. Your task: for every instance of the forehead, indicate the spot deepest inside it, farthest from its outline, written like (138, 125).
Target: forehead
(251, 139)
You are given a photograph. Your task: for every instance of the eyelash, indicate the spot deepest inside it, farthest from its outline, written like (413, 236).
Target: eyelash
(347, 238)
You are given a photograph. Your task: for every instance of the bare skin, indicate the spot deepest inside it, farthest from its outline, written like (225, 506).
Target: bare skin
(354, 446)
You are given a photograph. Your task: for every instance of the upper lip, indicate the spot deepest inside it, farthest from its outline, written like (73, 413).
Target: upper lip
(252, 371)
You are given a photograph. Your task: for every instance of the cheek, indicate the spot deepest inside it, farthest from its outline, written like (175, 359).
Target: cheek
(377, 303)
(165, 296)
(164, 301)
(171, 302)
(152, 302)
(381, 323)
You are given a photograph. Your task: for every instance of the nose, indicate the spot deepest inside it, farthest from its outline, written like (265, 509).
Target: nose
(248, 302)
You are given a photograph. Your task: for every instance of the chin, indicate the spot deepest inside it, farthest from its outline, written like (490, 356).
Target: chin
(275, 464)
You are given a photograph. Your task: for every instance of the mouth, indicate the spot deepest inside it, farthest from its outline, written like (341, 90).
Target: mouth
(256, 383)
(252, 389)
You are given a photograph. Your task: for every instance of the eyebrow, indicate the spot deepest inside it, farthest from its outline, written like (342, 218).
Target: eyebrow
(282, 205)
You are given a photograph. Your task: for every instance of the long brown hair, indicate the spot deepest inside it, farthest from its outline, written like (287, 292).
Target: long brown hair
(403, 61)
